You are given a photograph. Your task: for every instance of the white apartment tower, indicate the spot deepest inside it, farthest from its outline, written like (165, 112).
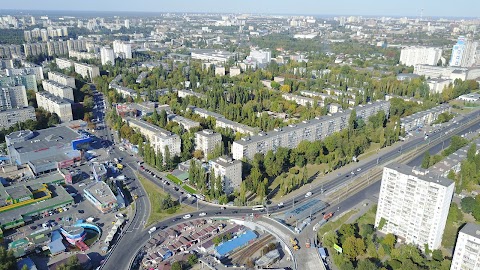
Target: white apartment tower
(122, 49)
(467, 248)
(107, 56)
(413, 204)
(230, 172)
(206, 140)
(463, 52)
(411, 56)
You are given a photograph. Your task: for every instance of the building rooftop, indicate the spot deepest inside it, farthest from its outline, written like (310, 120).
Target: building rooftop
(421, 174)
(53, 98)
(150, 127)
(18, 192)
(226, 161)
(207, 133)
(59, 74)
(45, 138)
(101, 192)
(471, 229)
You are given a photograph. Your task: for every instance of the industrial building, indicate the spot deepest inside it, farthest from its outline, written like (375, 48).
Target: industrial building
(413, 204)
(47, 149)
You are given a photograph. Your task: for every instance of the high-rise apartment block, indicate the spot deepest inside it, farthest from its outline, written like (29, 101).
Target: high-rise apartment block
(411, 56)
(58, 90)
(11, 117)
(13, 97)
(29, 81)
(229, 171)
(206, 140)
(61, 79)
(309, 130)
(413, 204)
(122, 49)
(86, 70)
(467, 248)
(63, 63)
(34, 70)
(260, 56)
(10, 51)
(56, 105)
(159, 138)
(463, 52)
(107, 56)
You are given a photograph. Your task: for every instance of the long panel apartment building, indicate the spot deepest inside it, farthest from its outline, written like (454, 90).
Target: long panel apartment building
(13, 97)
(413, 204)
(62, 79)
(11, 117)
(222, 122)
(411, 56)
(159, 138)
(423, 118)
(87, 70)
(58, 90)
(467, 248)
(310, 130)
(55, 104)
(29, 81)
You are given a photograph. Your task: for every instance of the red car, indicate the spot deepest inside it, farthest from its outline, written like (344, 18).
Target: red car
(142, 168)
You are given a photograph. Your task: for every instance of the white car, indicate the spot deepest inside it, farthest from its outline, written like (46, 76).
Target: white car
(280, 205)
(359, 169)
(187, 216)
(308, 194)
(202, 214)
(82, 185)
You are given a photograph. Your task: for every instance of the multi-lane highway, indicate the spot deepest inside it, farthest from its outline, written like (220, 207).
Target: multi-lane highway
(131, 242)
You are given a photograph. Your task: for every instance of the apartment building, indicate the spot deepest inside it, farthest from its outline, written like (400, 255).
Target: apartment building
(300, 100)
(182, 121)
(260, 56)
(454, 161)
(50, 48)
(206, 140)
(124, 91)
(222, 122)
(464, 52)
(77, 45)
(230, 172)
(122, 49)
(185, 93)
(107, 56)
(29, 81)
(12, 97)
(413, 204)
(159, 138)
(213, 56)
(62, 79)
(10, 51)
(319, 95)
(467, 248)
(83, 55)
(309, 130)
(411, 56)
(63, 63)
(34, 70)
(86, 70)
(11, 117)
(58, 90)
(423, 118)
(55, 104)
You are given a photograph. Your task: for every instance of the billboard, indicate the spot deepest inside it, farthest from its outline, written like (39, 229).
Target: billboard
(338, 248)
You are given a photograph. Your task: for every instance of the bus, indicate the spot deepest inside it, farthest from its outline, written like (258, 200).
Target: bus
(258, 208)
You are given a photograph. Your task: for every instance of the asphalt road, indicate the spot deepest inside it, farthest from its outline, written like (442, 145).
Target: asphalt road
(135, 238)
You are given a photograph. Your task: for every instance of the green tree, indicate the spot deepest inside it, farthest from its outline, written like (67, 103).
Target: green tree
(437, 255)
(454, 213)
(366, 265)
(426, 160)
(468, 204)
(162, 122)
(192, 259)
(72, 264)
(350, 248)
(389, 240)
(177, 266)
(7, 259)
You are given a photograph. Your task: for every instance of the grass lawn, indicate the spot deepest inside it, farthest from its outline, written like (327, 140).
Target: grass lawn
(370, 151)
(368, 217)
(450, 234)
(174, 179)
(189, 189)
(155, 196)
(334, 225)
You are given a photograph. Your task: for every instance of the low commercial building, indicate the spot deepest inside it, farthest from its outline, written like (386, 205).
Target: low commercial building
(61, 79)
(467, 248)
(11, 117)
(160, 139)
(235, 71)
(101, 196)
(206, 140)
(47, 149)
(222, 122)
(309, 130)
(423, 118)
(54, 104)
(472, 97)
(59, 90)
(99, 172)
(86, 70)
(229, 171)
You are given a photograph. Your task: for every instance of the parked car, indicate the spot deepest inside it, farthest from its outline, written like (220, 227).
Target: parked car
(202, 214)
(308, 194)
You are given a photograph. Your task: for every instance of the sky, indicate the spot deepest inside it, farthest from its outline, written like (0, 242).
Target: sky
(431, 8)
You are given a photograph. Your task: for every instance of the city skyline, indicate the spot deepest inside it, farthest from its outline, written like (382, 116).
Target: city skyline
(427, 8)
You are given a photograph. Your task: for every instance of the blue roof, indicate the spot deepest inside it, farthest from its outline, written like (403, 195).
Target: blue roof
(28, 262)
(56, 236)
(56, 245)
(235, 243)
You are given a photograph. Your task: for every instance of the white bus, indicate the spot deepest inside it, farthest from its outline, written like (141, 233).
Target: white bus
(258, 208)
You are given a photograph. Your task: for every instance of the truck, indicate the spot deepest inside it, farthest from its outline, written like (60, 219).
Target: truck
(119, 166)
(324, 220)
(294, 243)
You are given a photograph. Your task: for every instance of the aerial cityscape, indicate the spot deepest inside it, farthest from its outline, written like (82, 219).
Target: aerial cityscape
(179, 135)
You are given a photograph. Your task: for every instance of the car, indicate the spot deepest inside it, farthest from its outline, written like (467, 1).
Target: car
(33, 227)
(176, 188)
(352, 172)
(223, 208)
(280, 205)
(91, 177)
(308, 194)
(81, 211)
(202, 214)
(359, 169)
(189, 195)
(234, 212)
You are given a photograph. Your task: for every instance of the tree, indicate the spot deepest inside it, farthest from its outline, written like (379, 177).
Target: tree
(7, 259)
(468, 204)
(53, 120)
(437, 255)
(454, 213)
(162, 122)
(72, 264)
(426, 160)
(350, 248)
(177, 266)
(366, 265)
(389, 240)
(192, 259)
(366, 230)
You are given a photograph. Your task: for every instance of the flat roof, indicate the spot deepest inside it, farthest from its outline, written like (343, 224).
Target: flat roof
(46, 138)
(60, 75)
(18, 192)
(207, 133)
(226, 161)
(221, 118)
(101, 192)
(471, 229)
(53, 98)
(420, 173)
(152, 128)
